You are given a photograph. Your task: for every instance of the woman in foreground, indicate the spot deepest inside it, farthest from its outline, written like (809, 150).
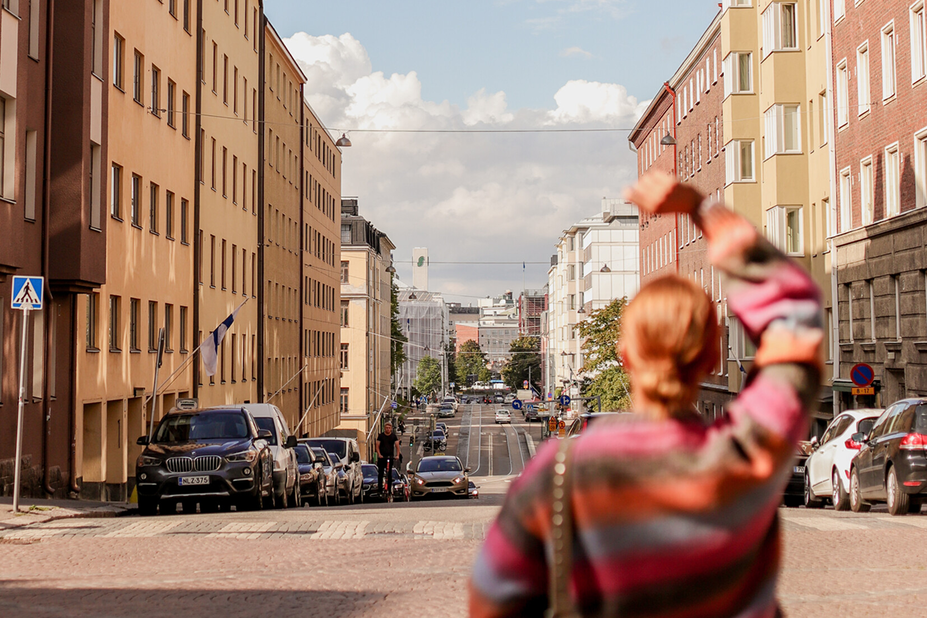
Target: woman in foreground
(672, 516)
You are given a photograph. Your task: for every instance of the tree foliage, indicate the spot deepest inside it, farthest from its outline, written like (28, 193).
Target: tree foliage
(397, 350)
(525, 362)
(602, 370)
(428, 376)
(450, 356)
(471, 361)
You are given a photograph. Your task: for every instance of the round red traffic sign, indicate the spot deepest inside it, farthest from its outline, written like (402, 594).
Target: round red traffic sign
(862, 375)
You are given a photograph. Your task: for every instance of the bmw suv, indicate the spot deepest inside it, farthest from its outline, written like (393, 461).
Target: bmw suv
(209, 456)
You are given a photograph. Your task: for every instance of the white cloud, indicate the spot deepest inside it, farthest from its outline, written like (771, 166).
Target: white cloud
(466, 194)
(575, 51)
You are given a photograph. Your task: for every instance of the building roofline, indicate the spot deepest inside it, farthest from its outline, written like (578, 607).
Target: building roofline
(289, 56)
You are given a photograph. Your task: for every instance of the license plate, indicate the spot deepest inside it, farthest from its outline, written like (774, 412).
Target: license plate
(193, 480)
(798, 469)
(437, 490)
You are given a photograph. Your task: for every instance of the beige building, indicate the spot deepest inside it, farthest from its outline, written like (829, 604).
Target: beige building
(279, 256)
(365, 323)
(149, 271)
(226, 207)
(321, 264)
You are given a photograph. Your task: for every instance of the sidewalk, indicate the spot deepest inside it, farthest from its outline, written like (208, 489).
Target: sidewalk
(32, 511)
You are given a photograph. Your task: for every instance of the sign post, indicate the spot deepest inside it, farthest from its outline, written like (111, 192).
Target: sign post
(862, 376)
(28, 293)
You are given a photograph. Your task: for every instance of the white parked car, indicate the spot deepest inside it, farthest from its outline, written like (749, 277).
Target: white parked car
(503, 416)
(827, 470)
(451, 400)
(286, 467)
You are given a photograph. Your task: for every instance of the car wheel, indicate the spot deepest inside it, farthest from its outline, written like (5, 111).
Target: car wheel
(283, 500)
(839, 496)
(857, 505)
(147, 506)
(296, 496)
(898, 501)
(811, 502)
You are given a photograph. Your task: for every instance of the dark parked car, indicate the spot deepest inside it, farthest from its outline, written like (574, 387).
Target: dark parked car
(891, 466)
(474, 490)
(312, 481)
(371, 476)
(209, 456)
(330, 475)
(531, 414)
(794, 494)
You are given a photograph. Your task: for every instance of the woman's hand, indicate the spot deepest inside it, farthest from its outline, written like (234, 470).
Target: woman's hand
(658, 193)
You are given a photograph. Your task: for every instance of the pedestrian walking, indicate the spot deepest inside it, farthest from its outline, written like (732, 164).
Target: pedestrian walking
(663, 513)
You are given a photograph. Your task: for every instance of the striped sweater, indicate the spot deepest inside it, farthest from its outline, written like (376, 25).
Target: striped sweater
(676, 518)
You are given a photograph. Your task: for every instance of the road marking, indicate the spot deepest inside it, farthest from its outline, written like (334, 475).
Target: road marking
(490, 454)
(143, 529)
(827, 524)
(341, 530)
(242, 530)
(479, 441)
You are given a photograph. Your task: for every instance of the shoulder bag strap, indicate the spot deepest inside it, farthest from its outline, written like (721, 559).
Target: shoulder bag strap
(561, 603)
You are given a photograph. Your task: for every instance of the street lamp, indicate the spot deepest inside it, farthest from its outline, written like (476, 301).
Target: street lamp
(343, 141)
(605, 269)
(667, 140)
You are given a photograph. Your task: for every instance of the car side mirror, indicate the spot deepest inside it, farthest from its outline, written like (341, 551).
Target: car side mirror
(467, 469)
(290, 442)
(143, 441)
(860, 437)
(355, 457)
(409, 468)
(814, 441)
(264, 434)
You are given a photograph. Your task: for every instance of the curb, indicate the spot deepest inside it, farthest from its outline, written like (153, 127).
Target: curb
(529, 443)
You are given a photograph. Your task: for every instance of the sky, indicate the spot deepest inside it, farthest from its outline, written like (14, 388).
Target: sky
(435, 96)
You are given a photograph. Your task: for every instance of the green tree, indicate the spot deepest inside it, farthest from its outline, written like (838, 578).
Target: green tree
(524, 363)
(471, 361)
(450, 356)
(397, 350)
(428, 376)
(602, 370)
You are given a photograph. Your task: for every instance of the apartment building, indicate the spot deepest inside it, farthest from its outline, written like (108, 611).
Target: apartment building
(52, 91)
(228, 197)
(280, 254)
(565, 309)
(366, 254)
(531, 304)
(611, 252)
(321, 277)
(880, 90)
(150, 85)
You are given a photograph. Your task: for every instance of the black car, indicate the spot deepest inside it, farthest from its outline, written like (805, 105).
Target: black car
(209, 456)
(312, 482)
(891, 466)
(371, 476)
(794, 494)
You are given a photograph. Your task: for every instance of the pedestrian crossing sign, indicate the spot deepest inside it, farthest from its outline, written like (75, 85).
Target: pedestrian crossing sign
(28, 293)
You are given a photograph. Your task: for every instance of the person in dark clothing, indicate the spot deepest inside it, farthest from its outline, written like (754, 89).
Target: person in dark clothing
(387, 450)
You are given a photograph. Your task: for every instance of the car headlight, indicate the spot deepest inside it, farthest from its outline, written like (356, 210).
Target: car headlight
(458, 480)
(418, 481)
(144, 461)
(248, 456)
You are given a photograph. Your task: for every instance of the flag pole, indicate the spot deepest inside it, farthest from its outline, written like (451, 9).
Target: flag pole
(314, 397)
(295, 375)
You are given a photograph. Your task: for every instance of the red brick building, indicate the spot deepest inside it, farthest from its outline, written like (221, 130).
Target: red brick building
(880, 94)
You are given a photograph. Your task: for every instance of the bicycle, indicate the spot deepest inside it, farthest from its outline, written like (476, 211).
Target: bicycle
(387, 487)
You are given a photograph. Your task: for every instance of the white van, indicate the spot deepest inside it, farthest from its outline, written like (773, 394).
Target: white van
(286, 468)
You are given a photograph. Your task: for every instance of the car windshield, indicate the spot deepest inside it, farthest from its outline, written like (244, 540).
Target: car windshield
(202, 426)
(370, 472)
(338, 447)
(265, 422)
(302, 454)
(439, 465)
(395, 474)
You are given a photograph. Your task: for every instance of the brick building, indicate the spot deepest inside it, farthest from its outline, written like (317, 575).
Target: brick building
(880, 82)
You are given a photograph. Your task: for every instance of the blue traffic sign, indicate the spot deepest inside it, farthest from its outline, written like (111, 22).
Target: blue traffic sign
(394, 405)
(28, 293)
(529, 407)
(516, 404)
(564, 400)
(862, 375)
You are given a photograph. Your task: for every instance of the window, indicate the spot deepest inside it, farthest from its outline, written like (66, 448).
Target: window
(862, 79)
(738, 73)
(920, 168)
(918, 42)
(843, 94)
(225, 166)
(865, 191)
(784, 227)
(213, 164)
(892, 181)
(169, 215)
(119, 45)
(136, 200)
(739, 164)
(344, 401)
(344, 357)
(137, 82)
(223, 263)
(822, 16)
(114, 324)
(823, 117)
(783, 130)
(152, 326)
(184, 208)
(96, 180)
(212, 260)
(133, 324)
(345, 233)
(215, 67)
(234, 268)
(186, 15)
(168, 324)
(780, 28)
(345, 304)
(31, 165)
(839, 9)
(153, 209)
(740, 344)
(344, 272)
(888, 61)
(156, 91)
(225, 79)
(93, 301)
(846, 197)
(171, 107)
(184, 113)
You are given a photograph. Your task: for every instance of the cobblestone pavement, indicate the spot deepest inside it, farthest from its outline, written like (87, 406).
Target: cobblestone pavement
(388, 560)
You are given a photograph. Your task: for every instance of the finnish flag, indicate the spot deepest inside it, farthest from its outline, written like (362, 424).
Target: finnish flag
(210, 348)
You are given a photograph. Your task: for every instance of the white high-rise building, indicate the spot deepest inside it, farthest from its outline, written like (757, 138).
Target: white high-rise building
(420, 268)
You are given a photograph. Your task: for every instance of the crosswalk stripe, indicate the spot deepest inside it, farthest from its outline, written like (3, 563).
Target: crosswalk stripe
(827, 524)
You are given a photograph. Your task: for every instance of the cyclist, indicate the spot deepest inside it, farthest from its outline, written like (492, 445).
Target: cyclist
(387, 449)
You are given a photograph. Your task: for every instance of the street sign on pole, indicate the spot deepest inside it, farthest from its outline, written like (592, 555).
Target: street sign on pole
(394, 405)
(516, 404)
(862, 375)
(564, 400)
(28, 293)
